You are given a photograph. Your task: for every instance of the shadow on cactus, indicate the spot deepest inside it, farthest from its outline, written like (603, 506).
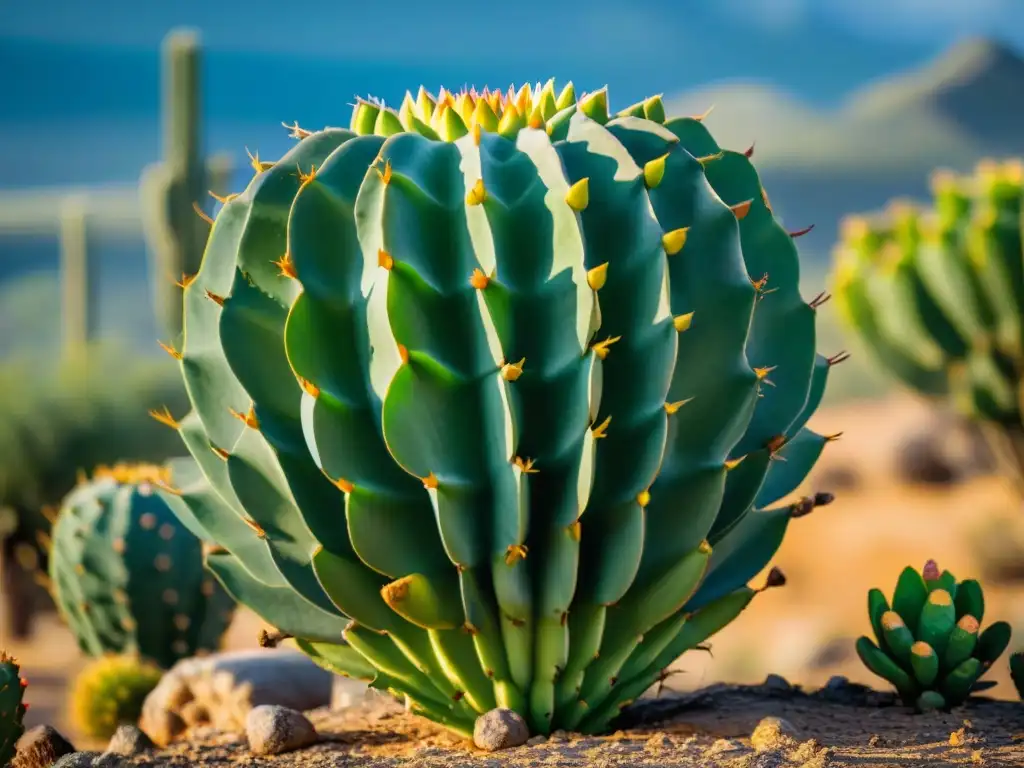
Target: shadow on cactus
(110, 692)
(937, 295)
(12, 706)
(495, 398)
(128, 577)
(929, 646)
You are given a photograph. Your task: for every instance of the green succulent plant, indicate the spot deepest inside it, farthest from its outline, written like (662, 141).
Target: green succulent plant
(109, 692)
(1017, 672)
(127, 577)
(928, 641)
(487, 407)
(12, 706)
(937, 295)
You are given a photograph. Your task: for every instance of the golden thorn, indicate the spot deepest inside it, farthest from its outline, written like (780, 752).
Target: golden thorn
(286, 266)
(222, 200)
(525, 466)
(343, 485)
(165, 417)
(385, 175)
(674, 241)
(654, 171)
(384, 259)
(403, 353)
(202, 214)
(832, 438)
(258, 165)
(515, 553)
(512, 371)
(248, 418)
(601, 348)
(170, 350)
(741, 209)
(733, 463)
(478, 279)
(776, 443)
(296, 131)
(700, 118)
(220, 452)
(643, 498)
(601, 430)
(598, 276)
(578, 196)
(682, 322)
(218, 300)
(705, 547)
(671, 408)
(256, 527)
(308, 387)
(186, 281)
(762, 374)
(430, 481)
(709, 158)
(478, 194)
(305, 178)
(574, 530)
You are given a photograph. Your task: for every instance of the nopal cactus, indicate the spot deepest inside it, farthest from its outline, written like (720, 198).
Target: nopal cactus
(127, 576)
(495, 397)
(12, 706)
(937, 295)
(928, 641)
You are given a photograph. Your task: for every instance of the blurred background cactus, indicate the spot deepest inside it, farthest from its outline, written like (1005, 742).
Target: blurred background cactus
(534, 320)
(175, 191)
(51, 428)
(110, 692)
(929, 643)
(127, 576)
(12, 706)
(937, 295)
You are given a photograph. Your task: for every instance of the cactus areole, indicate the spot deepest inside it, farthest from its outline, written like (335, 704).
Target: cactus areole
(127, 576)
(491, 396)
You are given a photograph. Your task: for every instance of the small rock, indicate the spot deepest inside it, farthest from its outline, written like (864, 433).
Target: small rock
(109, 760)
(129, 740)
(805, 751)
(777, 684)
(558, 736)
(500, 729)
(77, 760)
(40, 747)
(773, 733)
(876, 741)
(272, 730)
(533, 741)
(724, 745)
(658, 742)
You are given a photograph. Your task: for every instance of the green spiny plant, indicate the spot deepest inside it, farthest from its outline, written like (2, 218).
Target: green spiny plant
(128, 576)
(929, 646)
(171, 190)
(937, 295)
(488, 408)
(12, 706)
(110, 692)
(54, 420)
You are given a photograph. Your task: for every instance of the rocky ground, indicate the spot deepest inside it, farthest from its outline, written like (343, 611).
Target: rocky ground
(771, 725)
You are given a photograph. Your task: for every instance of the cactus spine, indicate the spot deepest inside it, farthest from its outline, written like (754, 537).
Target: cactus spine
(172, 189)
(12, 706)
(127, 576)
(937, 295)
(484, 386)
(928, 643)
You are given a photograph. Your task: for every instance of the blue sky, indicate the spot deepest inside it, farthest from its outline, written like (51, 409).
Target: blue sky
(819, 49)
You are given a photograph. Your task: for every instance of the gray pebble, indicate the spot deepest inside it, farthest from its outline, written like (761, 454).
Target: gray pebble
(773, 733)
(40, 747)
(128, 740)
(272, 730)
(500, 729)
(777, 683)
(77, 760)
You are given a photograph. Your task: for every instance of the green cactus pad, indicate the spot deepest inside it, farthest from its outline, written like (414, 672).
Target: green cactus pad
(937, 293)
(12, 706)
(928, 646)
(128, 576)
(495, 397)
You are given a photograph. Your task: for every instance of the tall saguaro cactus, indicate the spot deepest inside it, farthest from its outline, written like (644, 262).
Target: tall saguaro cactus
(172, 188)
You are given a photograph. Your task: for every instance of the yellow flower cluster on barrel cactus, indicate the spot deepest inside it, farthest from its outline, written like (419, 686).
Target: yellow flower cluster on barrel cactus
(937, 295)
(495, 398)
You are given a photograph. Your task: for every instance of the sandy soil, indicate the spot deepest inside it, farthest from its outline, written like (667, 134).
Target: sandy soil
(804, 631)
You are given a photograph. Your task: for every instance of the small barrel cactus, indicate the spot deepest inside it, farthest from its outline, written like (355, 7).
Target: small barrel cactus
(110, 692)
(496, 396)
(937, 295)
(127, 576)
(12, 706)
(929, 642)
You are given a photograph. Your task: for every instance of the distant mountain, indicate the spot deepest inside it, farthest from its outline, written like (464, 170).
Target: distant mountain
(965, 104)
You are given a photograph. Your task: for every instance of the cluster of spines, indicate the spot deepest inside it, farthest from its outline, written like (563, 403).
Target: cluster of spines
(12, 706)
(929, 644)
